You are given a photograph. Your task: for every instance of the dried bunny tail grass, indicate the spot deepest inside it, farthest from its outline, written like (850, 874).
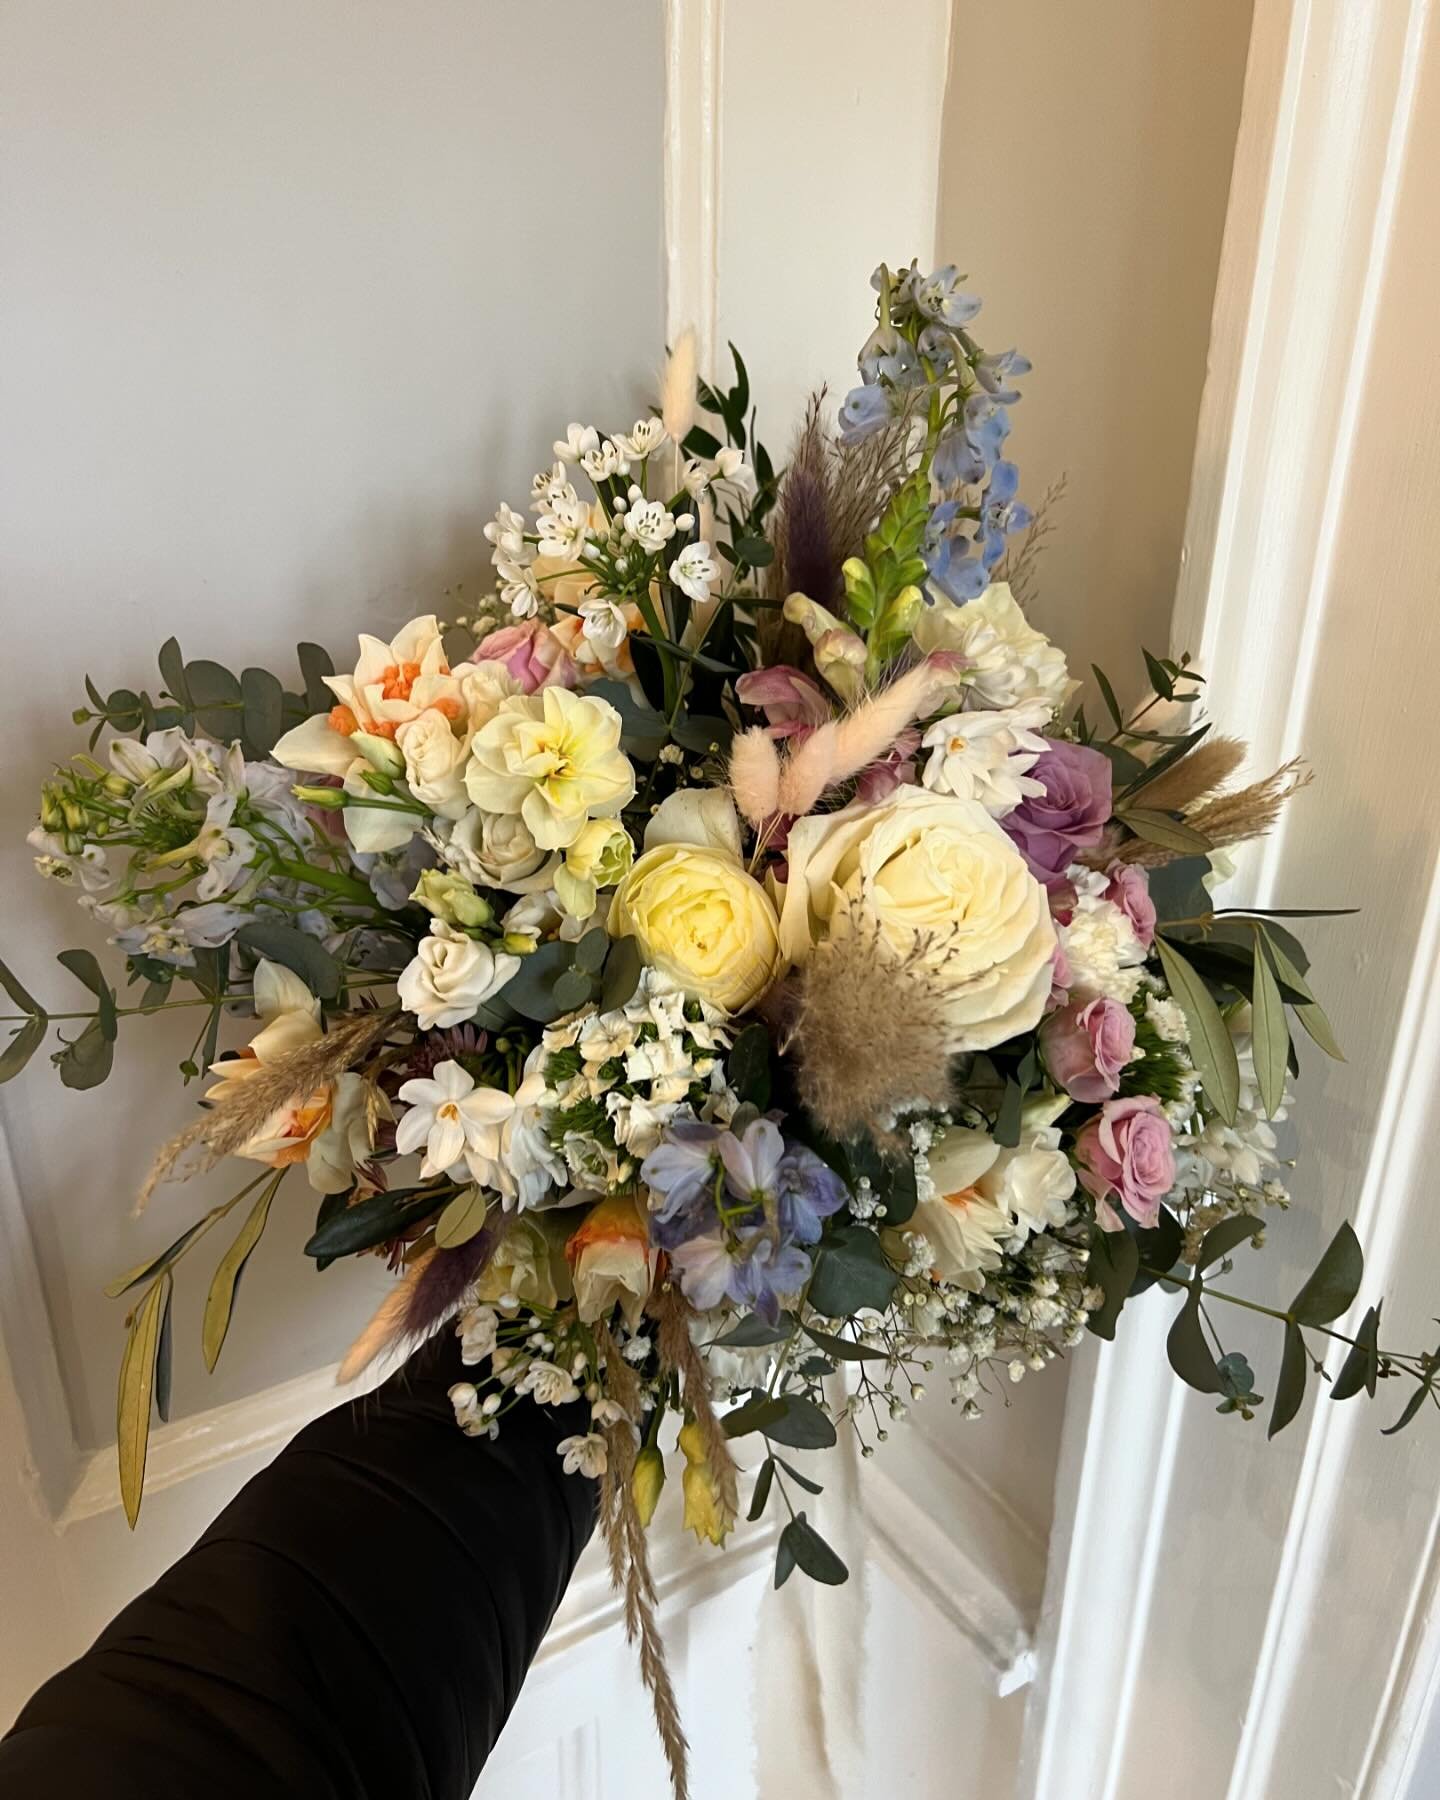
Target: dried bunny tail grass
(678, 1353)
(629, 1560)
(233, 1121)
(1017, 566)
(755, 775)
(871, 1038)
(678, 403)
(1207, 767)
(1229, 818)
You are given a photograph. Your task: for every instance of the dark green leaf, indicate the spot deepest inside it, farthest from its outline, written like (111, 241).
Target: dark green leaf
(1210, 1042)
(1187, 1349)
(297, 951)
(18, 994)
(1270, 1033)
(800, 1424)
(851, 1273)
(812, 1554)
(88, 1061)
(1159, 1246)
(1007, 1120)
(703, 732)
(125, 709)
(810, 1487)
(1114, 1260)
(315, 665)
(762, 1489)
(1423, 1390)
(699, 442)
(1166, 760)
(622, 974)
(531, 989)
(1221, 1239)
(591, 950)
(1177, 891)
(1309, 1012)
(758, 1414)
(216, 696)
(748, 1065)
(1160, 828)
(1112, 705)
(172, 673)
(374, 1221)
(751, 1332)
(642, 729)
(164, 1358)
(22, 1046)
(1237, 1378)
(572, 989)
(845, 1349)
(83, 966)
(759, 552)
(1361, 1368)
(1335, 1283)
(784, 1562)
(1290, 1387)
(1160, 678)
(263, 711)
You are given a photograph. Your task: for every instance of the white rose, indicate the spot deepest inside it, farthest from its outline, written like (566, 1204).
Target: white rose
(434, 763)
(497, 850)
(451, 976)
(1010, 662)
(483, 686)
(938, 877)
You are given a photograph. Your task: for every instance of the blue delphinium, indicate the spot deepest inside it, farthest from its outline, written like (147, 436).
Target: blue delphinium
(949, 558)
(864, 410)
(734, 1212)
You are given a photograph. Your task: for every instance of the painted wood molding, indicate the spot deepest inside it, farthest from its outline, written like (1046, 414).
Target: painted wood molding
(694, 36)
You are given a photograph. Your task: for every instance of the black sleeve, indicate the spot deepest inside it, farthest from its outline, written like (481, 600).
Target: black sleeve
(356, 1623)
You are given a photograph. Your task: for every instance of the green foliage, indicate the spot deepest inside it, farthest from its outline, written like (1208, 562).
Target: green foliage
(224, 1286)
(136, 1393)
(843, 1349)
(1210, 1041)
(752, 1331)
(851, 1273)
(747, 1065)
(29, 1037)
(1187, 1349)
(1221, 1239)
(1361, 1367)
(375, 1220)
(1290, 1388)
(297, 951)
(1335, 1282)
(1113, 1266)
(87, 1061)
(802, 1547)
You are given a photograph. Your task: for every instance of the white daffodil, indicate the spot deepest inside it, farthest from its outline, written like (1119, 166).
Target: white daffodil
(482, 1130)
(986, 756)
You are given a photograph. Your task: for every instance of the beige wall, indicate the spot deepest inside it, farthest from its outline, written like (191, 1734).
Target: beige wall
(1085, 167)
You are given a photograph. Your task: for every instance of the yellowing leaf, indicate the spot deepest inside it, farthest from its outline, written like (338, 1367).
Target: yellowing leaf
(221, 1298)
(137, 1392)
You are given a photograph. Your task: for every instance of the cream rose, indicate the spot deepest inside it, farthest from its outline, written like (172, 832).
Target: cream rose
(450, 976)
(435, 762)
(935, 875)
(497, 850)
(700, 919)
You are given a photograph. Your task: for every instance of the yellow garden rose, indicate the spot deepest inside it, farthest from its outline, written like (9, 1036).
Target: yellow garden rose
(700, 919)
(937, 876)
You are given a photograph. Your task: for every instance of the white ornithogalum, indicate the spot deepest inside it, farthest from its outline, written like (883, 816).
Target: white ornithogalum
(644, 440)
(550, 1384)
(583, 1455)
(649, 522)
(603, 623)
(562, 528)
(578, 441)
(605, 461)
(693, 570)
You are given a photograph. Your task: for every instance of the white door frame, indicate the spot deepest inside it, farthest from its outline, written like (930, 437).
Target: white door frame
(1326, 127)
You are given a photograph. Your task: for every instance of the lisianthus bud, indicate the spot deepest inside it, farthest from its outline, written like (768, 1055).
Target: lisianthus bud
(451, 897)
(332, 798)
(519, 943)
(647, 1482)
(599, 857)
(704, 1515)
(379, 752)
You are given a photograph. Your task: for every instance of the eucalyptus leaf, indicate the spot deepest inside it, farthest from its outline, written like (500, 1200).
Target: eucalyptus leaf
(136, 1392)
(262, 711)
(462, 1219)
(22, 1046)
(1007, 1120)
(1159, 1245)
(84, 967)
(1187, 1349)
(800, 1425)
(804, 1481)
(761, 1495)
(172, 673)
(1270, 1033)
(703, 732)
(1114, 1262)
(1361, 1368)
(297, 951)
(572, 989)
(531, 989)
(752, 1331)
(1423, 1391)
(225, 1282)
(1210, 1042)
(784, 1562)
(88, 1061)
(315, 665)
(622, 974)
(1335, 1282)
(851, 1273)
(1290, 1387)
(1221, 1239)
(747, 1066)
(591, 950)
(844, 1349)
(758, 1414)
(215, 693)
(812, 1554)
(18, 994)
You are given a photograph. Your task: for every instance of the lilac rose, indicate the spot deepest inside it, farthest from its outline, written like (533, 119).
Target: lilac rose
(1086, 1045)
(1127, 1151)
(1050, 828)
(1129, 889)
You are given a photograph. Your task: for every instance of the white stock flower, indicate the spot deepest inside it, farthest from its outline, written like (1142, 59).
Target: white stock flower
(649, 523)
(1009, 662)
(694, 569)
(985, 756)
(451, 975)
(1100, 944)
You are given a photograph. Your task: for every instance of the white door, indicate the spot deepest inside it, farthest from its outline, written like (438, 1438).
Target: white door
(1236, 1620)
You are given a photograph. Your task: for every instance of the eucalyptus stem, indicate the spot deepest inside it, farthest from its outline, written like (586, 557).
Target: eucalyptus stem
(131, 1012)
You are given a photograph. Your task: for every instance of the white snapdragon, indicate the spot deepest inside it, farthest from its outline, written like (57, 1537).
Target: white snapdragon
(694, 569)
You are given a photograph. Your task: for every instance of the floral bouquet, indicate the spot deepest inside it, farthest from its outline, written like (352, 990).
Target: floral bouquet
(719, 973)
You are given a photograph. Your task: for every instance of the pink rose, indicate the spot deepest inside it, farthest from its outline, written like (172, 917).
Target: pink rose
(1085, 1047)
(1127, 1151)
(531, 654)
(1062, 978)
(1129, 889)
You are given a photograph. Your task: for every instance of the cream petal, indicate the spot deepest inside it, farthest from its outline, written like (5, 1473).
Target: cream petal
(314, 748)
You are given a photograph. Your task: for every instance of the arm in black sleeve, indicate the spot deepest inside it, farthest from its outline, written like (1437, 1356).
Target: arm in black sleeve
(356, 1623)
